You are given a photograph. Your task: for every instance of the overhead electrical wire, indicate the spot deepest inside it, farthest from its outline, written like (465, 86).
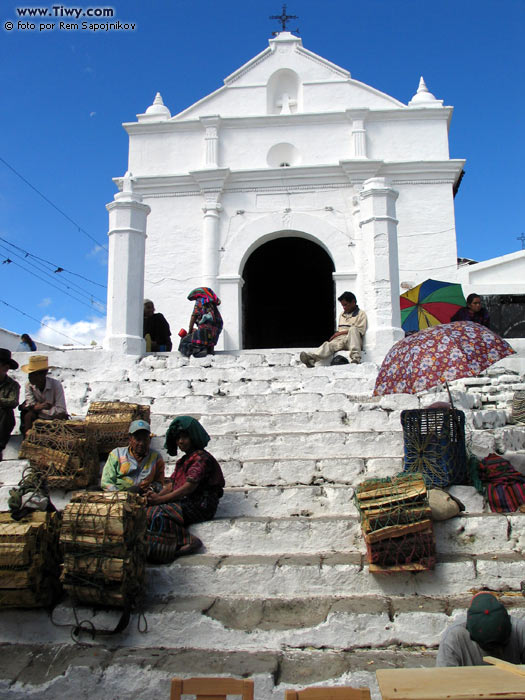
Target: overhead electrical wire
(80, 301)
(66, 216)
(77, 289)
(58, 268)
(41, 322)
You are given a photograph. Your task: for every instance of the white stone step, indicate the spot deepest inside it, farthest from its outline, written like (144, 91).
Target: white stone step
(481, 534)
(290, 472)
(337, 444)
(312, 576)
(357, 417)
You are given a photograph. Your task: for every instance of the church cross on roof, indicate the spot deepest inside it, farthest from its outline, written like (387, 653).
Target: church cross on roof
(283, 18)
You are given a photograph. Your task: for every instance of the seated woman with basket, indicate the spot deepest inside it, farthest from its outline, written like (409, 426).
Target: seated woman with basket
(191, 496)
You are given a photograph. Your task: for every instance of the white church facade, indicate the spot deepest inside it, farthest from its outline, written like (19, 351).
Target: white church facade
(285, 187)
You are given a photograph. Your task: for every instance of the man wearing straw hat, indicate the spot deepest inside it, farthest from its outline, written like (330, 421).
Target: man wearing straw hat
(9, 393)
(44, 396)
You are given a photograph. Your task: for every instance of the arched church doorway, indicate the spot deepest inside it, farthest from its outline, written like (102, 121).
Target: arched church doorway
(288, 295)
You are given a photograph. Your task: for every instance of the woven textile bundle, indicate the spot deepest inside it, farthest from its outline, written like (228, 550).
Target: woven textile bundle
(64, 452)
(518, 407)
(435, 445)
(29, 560)
(396, 523)
(504, 485)
(102, 537)
(109, 422)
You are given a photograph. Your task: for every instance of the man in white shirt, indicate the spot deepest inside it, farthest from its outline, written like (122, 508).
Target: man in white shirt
(349, 335)
(44, 396)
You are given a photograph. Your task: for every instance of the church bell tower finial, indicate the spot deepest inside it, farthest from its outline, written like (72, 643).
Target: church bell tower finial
(283, 18)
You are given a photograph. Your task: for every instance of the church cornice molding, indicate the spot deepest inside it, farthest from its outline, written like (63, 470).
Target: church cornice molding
(255, 61)
(345, 174)
(320, 61)
(272, 120)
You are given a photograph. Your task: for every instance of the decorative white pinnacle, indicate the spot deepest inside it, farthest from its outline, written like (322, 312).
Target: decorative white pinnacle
(158, 109)
(423, 96)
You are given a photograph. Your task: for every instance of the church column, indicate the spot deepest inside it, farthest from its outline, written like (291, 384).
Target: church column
(210, 240)
(379, 263)
(211, 141)
(127, 247)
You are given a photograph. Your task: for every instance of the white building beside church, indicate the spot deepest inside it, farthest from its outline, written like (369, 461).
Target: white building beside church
(288, 185)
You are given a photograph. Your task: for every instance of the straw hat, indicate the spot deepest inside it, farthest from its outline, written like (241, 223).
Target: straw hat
(36, 364)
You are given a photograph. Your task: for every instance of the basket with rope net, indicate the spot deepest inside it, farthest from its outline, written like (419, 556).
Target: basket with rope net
(108, 422)
(435, 445)
(102, 538)
(396, 524)
(29, 560)
(64, 452)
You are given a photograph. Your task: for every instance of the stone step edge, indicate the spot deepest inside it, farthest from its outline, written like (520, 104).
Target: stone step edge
(389, 603)
(285, 667)
(321, 559)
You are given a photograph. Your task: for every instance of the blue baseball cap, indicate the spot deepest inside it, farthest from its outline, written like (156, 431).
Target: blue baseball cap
(137, 425)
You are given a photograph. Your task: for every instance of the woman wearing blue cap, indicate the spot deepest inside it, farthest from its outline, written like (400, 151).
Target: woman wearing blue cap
(191, 496)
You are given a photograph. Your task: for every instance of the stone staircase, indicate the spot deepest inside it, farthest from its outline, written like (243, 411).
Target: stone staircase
(281, 591)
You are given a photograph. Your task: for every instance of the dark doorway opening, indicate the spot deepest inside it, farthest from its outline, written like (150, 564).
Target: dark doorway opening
(288, 295)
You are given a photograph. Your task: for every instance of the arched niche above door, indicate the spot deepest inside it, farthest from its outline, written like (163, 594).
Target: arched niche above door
(284, 92)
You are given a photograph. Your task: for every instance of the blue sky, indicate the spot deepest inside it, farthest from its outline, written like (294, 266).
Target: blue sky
(66, 93)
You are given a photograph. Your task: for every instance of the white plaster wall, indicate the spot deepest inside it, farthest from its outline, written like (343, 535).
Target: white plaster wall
(177, 151)
(317, 144)
(334, 96)
(166, 152)
(408, 139)
(426, 232)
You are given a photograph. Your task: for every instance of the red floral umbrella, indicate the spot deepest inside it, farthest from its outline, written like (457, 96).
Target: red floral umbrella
(438, 355)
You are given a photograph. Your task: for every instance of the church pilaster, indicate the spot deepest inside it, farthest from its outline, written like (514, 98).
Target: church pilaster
(357, 118)
(211, 183)
(211, 141)
(210, 239)
(127, 247)
(379, 266)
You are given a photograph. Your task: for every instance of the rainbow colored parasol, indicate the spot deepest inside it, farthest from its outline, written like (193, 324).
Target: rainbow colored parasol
(429, 304)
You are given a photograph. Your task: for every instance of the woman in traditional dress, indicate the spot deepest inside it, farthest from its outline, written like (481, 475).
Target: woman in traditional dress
(201, 341)
(191, 496)
(473, 311)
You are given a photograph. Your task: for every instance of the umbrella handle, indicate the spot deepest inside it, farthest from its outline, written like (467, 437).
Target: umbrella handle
(450, 395)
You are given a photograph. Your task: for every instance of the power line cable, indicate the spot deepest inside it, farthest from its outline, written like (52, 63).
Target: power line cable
(80, 301)
(79, 228)
(79, 290)
(41, 322)
(48, 262)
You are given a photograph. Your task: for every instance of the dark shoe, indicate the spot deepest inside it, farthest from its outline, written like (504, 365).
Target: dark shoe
(189, 548)
(200, 353)
(306, 359)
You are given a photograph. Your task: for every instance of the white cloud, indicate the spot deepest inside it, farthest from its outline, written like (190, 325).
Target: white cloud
(100, 253)
(46, 301)
(79, 332)
(92, 114)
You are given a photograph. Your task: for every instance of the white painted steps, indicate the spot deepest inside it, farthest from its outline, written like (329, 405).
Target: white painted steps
(281, 590)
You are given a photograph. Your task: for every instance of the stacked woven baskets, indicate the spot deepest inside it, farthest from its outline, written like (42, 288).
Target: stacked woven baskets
(102, 537)
(29, 567)
(396, 523)
(64, 452)
(108, 422)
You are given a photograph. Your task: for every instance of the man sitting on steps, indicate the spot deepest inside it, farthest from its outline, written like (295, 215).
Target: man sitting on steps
(488, 631)
(349, 335)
